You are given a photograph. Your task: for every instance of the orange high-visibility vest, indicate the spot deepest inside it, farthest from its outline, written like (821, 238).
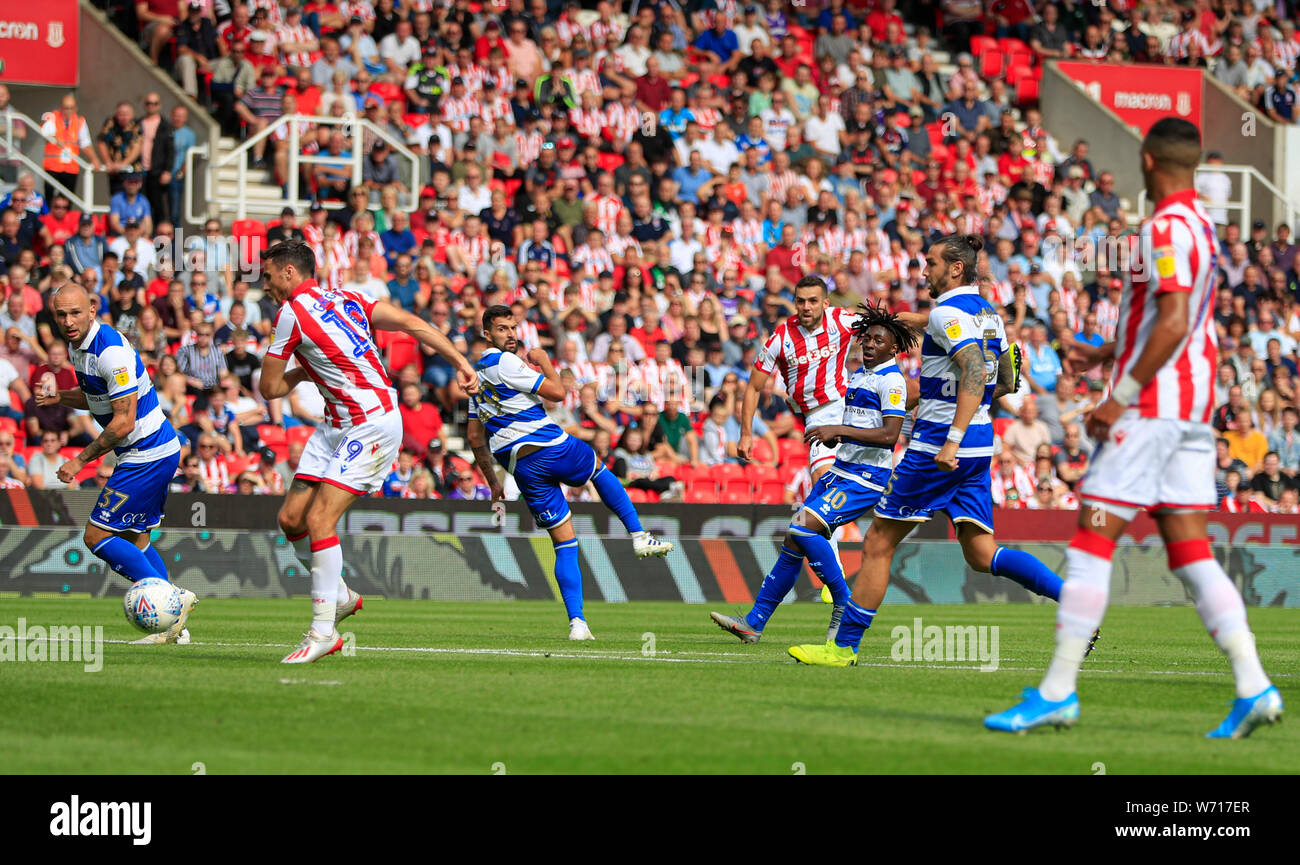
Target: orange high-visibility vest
(59, 157)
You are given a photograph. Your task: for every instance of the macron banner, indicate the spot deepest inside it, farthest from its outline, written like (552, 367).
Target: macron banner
(1141, 94)
(38, 42)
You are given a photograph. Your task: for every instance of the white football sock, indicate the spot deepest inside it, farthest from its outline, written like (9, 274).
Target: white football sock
(1224, 613)
(1083, 604)
(342, 597)
(302, 550)
(326, 565)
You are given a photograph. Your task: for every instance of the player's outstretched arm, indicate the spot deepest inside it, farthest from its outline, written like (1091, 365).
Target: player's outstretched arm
(477, 436)
(386, 316)
(748, 406)
(1167, 334)
(112, 435)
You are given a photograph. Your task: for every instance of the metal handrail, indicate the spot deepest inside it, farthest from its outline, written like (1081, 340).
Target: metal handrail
(196, 150)
(1242, 207)
(353, 126)
(13, 150)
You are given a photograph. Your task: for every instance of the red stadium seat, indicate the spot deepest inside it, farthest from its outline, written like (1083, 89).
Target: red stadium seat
(704, 485)
(299, 434)
(787, 448)
(1027, 91)
(740, 486)
(1009, 44)
(735, 498)
(756, 473)
(979, 44)
(700, 497)
(636, 496)
(723, 472)
(770, 493)
(762, 451)
(9, 425)
(1017, 71)
(991, 64)
(935, 133)
(1021, 58)
(1001, 425)
(87, 472)
(271, 434)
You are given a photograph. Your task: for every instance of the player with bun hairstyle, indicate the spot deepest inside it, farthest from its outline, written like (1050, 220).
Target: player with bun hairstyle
(966, 364)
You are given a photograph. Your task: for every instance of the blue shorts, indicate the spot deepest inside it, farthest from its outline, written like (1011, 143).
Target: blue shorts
(135, 496)
(540, 474)
(837, 500)
(918, 488)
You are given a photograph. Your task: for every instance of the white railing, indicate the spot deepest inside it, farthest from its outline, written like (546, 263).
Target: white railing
(205, 151)
(1239, 208)
(355, 128)
(13, 150)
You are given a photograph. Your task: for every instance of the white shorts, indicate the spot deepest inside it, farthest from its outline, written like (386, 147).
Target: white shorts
(830, 414)
(356, 458)
(1152, 464)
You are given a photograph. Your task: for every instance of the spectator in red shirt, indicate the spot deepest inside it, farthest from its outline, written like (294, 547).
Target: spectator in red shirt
(786, 257)
(421, 422)
(880, 19)
(62, 221)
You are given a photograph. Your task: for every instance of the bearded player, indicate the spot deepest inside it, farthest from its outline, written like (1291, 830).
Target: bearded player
(966, 364)
(1157, 448)
(875, 404)
(509, 424)
(114, 386)
(329, 332)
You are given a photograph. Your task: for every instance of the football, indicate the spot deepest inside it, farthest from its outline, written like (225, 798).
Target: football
(152, 605)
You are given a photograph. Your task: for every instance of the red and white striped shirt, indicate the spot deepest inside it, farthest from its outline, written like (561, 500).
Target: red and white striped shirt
(473, 250)
(624, 120)
(336, 258)
(498, 107)
(1107, 318)
(591, 261)
(472, 75)
(314, 236)
(587, 123)
(707, 118)
(215, 475)
(608, 210)
(457, 112)
(1285, 53)
(362, 9)
(584, 80)
(526, 333)
(780, 184)
(566, 29)
(611, 30)
(301, 33)
(666, 382)
(811, 362)
(1178, 50)
(1182, 256)
(329, 332)
(619, 244)
(350, 243)
(529, 146)
(749, 233)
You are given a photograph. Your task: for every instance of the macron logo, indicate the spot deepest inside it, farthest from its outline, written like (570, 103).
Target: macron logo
(132, 819)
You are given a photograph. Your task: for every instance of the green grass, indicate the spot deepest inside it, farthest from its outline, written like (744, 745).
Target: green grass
(703, 704)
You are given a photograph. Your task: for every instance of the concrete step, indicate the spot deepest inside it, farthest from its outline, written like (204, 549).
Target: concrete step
(230, 174)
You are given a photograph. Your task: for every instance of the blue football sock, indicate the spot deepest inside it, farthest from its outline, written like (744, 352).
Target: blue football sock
(1026, 570)
(856, 620)
(125, 558)
(157, 561)
(569, 577)
(824, 562)
(615, 498)
(776, 585)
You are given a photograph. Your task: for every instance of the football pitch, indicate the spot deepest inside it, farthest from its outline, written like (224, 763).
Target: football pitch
(492, 687)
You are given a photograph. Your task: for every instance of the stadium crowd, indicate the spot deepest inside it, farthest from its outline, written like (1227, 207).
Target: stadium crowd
(643, 182)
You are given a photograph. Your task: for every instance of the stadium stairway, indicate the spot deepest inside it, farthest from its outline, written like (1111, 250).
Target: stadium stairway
(260, 188)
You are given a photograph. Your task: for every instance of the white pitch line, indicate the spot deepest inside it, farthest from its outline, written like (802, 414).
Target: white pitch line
(615, 655)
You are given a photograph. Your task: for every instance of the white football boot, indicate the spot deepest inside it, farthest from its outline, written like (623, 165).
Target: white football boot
(578, 630)
(177, 634)
(313, 647)
(645, 545)
(353, 605)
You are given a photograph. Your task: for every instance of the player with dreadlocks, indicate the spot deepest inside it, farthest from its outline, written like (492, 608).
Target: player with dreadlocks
(874, 406)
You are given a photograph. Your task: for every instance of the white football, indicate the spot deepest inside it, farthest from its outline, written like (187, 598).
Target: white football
(153, 605)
